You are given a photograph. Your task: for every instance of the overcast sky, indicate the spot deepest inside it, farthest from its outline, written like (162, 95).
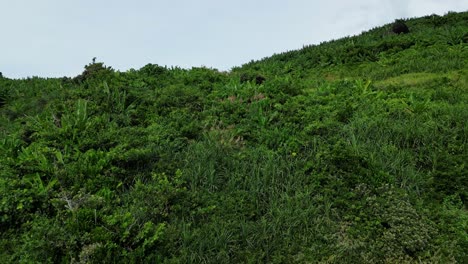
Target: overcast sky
(55, 38)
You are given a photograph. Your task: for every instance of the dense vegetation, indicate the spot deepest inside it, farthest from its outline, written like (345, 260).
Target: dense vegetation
(351, 151)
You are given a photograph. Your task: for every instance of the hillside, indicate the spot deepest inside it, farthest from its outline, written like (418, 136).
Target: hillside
(351, 151)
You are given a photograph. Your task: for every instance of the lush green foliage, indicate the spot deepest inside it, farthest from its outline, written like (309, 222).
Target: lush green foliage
(352, 151)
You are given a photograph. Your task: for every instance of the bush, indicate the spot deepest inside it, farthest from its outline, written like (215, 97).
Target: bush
(94, 70)
(399, 27)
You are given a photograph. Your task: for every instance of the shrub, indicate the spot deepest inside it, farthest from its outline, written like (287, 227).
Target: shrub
(400, 27)
(93, 70)
(251, 77)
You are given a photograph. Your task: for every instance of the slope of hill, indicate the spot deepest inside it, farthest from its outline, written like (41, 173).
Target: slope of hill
(351, 151)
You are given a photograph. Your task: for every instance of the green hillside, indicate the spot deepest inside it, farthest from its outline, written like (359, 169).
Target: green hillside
(351, 151)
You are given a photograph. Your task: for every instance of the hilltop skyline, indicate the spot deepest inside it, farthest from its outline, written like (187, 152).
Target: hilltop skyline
(54, 38)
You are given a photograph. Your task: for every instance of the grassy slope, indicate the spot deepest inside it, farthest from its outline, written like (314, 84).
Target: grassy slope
(350, 151)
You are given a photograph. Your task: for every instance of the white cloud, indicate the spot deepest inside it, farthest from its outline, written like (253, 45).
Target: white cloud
(440, 7)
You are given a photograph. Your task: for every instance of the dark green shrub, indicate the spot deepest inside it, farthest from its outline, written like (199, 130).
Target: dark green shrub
(3, 96)
(92, 71)
(153, 70)
(252, 77)
(399, 27)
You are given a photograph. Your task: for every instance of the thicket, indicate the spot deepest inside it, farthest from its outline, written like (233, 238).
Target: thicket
(351, 151)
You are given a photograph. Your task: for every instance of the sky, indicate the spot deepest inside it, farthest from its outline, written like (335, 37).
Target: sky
(56, 38)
